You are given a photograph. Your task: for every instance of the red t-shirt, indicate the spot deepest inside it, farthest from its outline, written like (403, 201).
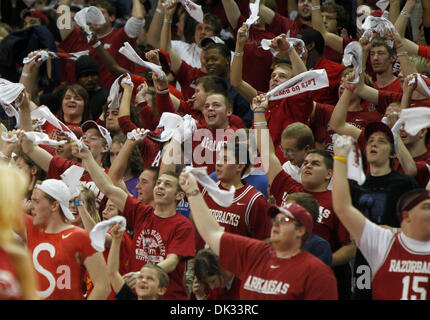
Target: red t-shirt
(58, 165)
(60, 274)
(321, 127)
(387, 97)
(247, 215)
(329, 95)
(112, 43)
(280, 113)
(156, 237)
(256, 60)
(150, 150)
(185, 76)
(126, 243)
(328, 225)
(282, 24)
(403, 272)
(207, 143)
(267, 277)
(424, 51)
(10, 289)
(395, 86)
(333, 55)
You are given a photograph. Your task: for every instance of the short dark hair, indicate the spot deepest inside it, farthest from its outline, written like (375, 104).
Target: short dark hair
(239, 149)
(311, 35)
(206, 264)
(328, 158)
(342, 16)
(381, 42)
(223, 50)
(307, 201)
(213, 84)
(214, 21)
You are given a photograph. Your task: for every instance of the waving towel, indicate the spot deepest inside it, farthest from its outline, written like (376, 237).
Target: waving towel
(98, 233)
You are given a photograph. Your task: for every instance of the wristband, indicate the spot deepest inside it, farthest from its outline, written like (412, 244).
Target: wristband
(24, 74)
(95, 45)
(404, 13)
(316, 8)
(159, 11)
(193, 193)
(260, 124)
(403, 53)
(77, 203)
(349, 88)
(341, 159)
(167, 20)
(238, 54)
(259, 112)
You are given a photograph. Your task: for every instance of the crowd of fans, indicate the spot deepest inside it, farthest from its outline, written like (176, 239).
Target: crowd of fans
(215, 149)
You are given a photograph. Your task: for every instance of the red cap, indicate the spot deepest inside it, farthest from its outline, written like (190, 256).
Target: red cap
(39, 14)
(378, 126)
(295, 211)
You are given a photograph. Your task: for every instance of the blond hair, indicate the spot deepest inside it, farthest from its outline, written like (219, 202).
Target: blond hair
(13, 188)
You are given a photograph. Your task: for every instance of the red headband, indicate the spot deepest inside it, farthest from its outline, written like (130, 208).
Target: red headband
(416, 201)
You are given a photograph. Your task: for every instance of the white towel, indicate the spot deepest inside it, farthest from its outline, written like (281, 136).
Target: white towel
(45, 55)
(378, 25)
(167, 125)
(72, 177)
(354, 159)
(185, 130)
(36, 137)
(194, 10)
(43, 113)
(98, 233)
(383, 4)
(9, 92)
(265, 44)
(415, 119)
(254, 9)
(222, 197)
(128, 51)
(115, 93)
(303, 82)
(89, 15)
(352, 56)
(136, 134)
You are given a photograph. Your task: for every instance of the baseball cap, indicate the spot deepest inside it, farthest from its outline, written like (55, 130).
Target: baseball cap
(103, 131)
(378, 126)
(86, 64)
(208, 40)
(36, 14)
(58, 190)
(295, 211)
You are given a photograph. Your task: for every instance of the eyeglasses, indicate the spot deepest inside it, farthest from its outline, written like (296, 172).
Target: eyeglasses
(283, 220)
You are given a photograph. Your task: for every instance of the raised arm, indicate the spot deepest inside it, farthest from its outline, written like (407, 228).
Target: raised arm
(338, 117)
(96, 267)
(332, 40)
(100, 178)
(166, 37)
(119, 166)
(245, 89)
(266, 13)
(205, 222)
(270, 161)
(110, 63)
(113, 259)
(29, 76)
(40, 156)
(402, 20)
(124, 106)
(394, 10)
(153, 34)
(351, 218)
(232, 12)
